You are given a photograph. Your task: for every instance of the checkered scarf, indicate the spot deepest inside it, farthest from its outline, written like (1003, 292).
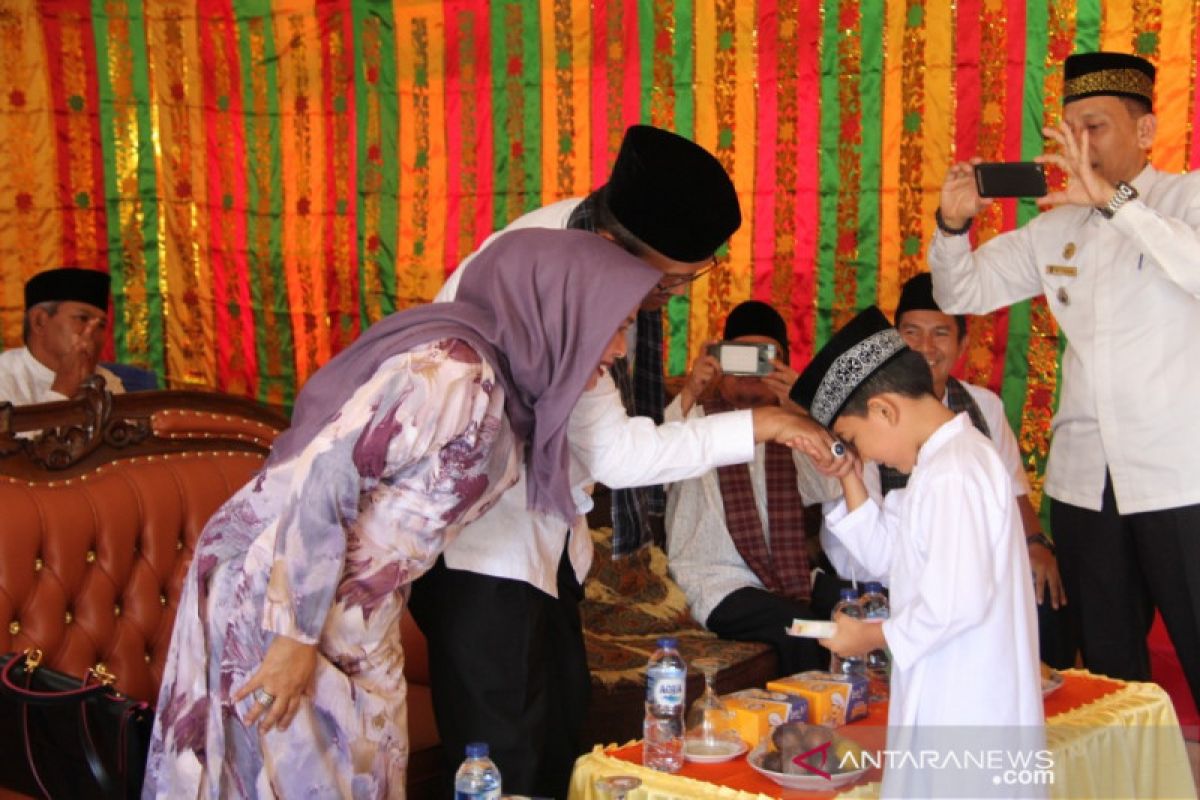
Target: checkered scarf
(783, 568)
(644, 395)
(958, 399)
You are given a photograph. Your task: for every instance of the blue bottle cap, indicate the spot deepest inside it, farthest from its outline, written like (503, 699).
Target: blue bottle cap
(873, 586)
(849, 593)
(668, 642)
(477, 750)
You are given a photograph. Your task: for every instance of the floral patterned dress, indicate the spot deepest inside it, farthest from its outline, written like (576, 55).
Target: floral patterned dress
(322, 548)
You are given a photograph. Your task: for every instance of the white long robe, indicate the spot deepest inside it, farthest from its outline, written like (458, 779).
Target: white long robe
(963, 627)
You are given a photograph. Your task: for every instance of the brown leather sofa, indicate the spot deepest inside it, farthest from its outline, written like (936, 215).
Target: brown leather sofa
(99, 514)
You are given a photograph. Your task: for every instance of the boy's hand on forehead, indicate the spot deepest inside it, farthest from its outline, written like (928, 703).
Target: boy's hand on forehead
(826, 462)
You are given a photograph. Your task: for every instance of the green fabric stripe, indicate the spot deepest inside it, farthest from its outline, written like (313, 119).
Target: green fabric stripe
(684, 68)
(871, 98)
(531, 43)
(266, 130)
(147, 190)
(1016, 362)
(389, 135)
(147, 181)
(827, 180)
(105, 91)
(645, 28)
(531, 127)
(1088, 15)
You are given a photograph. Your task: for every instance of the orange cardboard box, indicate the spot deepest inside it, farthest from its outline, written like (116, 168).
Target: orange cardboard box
(756, 712)
(832, 699)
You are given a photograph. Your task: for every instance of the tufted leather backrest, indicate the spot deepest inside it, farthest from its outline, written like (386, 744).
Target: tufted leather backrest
(94, 544)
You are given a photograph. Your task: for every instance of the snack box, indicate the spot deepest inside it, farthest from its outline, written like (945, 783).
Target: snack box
(756, 712)
(832, 699)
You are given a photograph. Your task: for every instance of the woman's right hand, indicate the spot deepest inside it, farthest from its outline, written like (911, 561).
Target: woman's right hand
(285, 675)
(960, 200)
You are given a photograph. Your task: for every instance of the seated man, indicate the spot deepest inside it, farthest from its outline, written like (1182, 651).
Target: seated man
(736, 543)
(941, 339)
(66, 311)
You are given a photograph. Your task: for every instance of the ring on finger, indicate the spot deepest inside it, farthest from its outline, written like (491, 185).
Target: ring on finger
(263, 697)
(838, 449)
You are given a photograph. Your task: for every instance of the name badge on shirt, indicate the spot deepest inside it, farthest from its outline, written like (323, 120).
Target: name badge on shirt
(1062, 270)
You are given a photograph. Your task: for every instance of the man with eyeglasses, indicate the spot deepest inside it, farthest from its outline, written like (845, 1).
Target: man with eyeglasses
(500, 609)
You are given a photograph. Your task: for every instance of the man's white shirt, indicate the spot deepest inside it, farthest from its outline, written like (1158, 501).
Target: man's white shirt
(24, 380)
(1126, 294)
(606, 445)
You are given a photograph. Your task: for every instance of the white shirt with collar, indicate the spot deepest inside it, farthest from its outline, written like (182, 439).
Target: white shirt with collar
(702, 556)
(606, 445)
(1126, 294)
(24, 380)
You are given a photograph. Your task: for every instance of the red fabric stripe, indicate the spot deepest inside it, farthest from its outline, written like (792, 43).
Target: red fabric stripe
(808, 131)
(768, 141)
(1014, 96)
(1195, 143)
(341, 286)
(230, 268)
(52, 12)
(966, 79)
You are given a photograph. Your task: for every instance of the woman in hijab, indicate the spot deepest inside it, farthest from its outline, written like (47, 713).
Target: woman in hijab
(285, 675)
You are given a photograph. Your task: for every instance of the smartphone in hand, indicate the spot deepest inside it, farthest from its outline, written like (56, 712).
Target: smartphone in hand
(1010, 179)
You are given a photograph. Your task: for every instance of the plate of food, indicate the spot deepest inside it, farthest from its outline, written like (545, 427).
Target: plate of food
(1052, 680)
(808, 757)
(713, 751)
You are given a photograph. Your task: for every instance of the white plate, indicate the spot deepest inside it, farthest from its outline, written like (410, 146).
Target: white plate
(813, 628)
(808, 783)
(713, 752)
(1052, 684)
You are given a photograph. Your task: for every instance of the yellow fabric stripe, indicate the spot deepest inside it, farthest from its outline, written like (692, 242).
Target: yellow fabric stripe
(1173, 87)
(890, 242)
(172, 46)
(302, 142)
(31, 239)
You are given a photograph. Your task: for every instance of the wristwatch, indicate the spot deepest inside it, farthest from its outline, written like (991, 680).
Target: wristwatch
(946, 229)
(1123, 195)
(1039, 538)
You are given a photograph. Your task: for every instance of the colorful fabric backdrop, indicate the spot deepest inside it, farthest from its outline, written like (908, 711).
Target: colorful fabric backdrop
(264, 180)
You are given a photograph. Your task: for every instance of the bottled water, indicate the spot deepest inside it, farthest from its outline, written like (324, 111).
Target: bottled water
(477, 778)
(662, 730)
(879, 663)
(848, 605)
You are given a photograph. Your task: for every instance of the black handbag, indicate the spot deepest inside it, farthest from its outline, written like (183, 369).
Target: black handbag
(67, 738)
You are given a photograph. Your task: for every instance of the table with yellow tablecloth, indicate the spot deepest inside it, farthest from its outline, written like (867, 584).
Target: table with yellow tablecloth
(1109, 739)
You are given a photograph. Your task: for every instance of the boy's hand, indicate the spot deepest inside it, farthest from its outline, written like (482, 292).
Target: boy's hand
(855, 637)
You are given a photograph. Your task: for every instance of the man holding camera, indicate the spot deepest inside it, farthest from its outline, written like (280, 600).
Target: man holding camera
(736, 542)
(1116, 260)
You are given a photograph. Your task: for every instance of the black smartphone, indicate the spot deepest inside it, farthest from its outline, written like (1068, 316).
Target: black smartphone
(743, 358)
(1010, 179)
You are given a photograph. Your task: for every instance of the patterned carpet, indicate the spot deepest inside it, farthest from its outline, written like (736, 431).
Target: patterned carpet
(629, 604)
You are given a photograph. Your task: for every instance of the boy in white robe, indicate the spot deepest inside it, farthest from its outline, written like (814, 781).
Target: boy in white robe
(966, 710)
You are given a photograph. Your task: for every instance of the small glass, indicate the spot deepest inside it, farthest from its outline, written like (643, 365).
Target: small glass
(616, 787)
(709, 722)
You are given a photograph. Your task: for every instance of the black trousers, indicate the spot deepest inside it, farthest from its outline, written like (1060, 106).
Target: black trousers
(756, 615)
(508, 667)
(1117, 568)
